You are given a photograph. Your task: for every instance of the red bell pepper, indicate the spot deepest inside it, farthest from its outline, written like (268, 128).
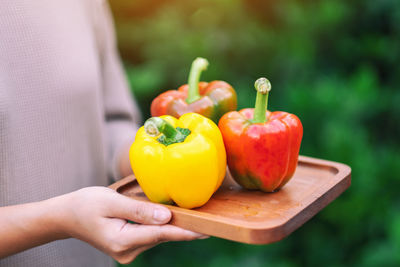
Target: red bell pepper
(262, 147)
(212, 99)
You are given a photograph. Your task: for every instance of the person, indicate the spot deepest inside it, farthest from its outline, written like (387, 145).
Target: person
(66, 122)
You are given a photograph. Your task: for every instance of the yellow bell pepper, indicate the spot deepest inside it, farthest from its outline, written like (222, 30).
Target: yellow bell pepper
(179, 160)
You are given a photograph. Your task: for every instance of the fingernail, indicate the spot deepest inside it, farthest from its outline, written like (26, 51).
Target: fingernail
(204, 237)
(161, 215)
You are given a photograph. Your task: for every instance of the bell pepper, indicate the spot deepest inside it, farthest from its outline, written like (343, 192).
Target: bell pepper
(262, 147)
(179, 160)
(212, 99)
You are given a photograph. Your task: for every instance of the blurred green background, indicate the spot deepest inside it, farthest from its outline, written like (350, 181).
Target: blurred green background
(333, 63)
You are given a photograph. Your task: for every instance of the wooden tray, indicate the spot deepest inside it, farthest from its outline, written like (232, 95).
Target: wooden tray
(255, 217)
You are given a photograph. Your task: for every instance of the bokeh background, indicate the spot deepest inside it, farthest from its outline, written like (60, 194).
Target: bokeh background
(333, 63)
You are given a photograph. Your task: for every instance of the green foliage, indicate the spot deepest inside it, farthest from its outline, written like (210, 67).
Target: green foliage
(333, 63)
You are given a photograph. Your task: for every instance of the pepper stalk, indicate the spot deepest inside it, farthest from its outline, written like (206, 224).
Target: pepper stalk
(198, 66)
(263, 86)
(169, 135)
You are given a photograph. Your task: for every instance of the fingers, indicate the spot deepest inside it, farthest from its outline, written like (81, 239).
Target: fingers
(130, 256)
(142, 235)
(133, 239)
(138, 211)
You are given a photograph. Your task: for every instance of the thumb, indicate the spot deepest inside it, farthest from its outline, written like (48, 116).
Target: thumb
(138, 211)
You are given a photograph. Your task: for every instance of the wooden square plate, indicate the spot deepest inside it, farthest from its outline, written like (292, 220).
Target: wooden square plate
(255, 217)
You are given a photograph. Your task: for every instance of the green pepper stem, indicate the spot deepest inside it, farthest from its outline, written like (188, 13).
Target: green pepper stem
(263, 86)
(198, 66)
(155, 126)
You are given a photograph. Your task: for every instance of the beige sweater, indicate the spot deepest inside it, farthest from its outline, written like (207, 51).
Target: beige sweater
(65, 111)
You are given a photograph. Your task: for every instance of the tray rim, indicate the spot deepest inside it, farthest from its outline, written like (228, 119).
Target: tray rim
(269, 232)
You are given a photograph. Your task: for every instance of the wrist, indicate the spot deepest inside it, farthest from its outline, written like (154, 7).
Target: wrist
(58, 216)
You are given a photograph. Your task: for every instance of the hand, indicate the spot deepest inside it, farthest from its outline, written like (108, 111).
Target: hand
(98, 216)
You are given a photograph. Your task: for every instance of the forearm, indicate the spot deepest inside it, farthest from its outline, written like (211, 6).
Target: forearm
(29, 225)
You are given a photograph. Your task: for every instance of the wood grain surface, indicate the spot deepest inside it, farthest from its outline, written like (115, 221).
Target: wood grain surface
(255, 217)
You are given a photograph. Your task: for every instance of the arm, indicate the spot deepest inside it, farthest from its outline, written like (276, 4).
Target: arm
(124, 164)
(96, 215)
(28, 225)
(122, 116)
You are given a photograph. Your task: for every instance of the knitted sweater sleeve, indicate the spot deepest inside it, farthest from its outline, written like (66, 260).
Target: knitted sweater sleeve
(120, 110)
